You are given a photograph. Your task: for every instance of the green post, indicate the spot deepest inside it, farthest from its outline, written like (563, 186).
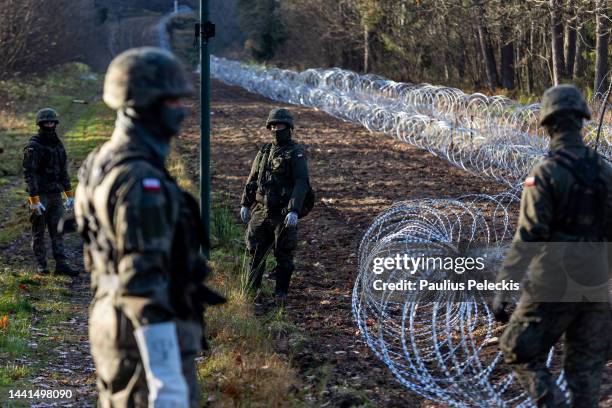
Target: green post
(207, 31)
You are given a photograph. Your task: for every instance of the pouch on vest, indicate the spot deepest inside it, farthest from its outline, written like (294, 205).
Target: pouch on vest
(584, 214)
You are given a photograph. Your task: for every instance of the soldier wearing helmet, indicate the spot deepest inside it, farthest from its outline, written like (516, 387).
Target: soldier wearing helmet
(564, 225)
(273, 200)
(45, 169)
(142, 237)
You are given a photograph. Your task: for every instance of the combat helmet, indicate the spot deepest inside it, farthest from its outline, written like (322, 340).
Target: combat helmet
(562, 98)
(47, 115)
(139, 77)
(279, 115)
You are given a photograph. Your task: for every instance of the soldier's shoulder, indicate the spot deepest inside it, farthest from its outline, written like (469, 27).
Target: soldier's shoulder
(299, 150)
(33, 143)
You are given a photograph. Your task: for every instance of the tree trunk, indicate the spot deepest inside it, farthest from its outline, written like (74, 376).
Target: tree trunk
(366, 49)
(580, 64)
(557, 42)
(507, 61)
(569, 50)
(601, 47)
(488, 54)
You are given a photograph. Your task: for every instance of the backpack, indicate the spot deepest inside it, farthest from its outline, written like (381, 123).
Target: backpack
(585, 214)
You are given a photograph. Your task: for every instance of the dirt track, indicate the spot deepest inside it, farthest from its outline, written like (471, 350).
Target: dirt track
(356, 175)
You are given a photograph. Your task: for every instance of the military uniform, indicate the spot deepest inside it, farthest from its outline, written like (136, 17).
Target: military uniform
(277, 186)
(46, 175)
(557, 219)
(142, 237)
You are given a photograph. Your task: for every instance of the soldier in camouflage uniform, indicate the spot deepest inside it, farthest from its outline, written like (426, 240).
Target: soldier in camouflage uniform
(46, 175)
(142, 236)
(567, 198)
(272, 200)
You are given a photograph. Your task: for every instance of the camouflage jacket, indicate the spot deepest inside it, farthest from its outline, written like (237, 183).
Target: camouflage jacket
(553, 255)
(45, 166)
(142, 232)
(278, 179)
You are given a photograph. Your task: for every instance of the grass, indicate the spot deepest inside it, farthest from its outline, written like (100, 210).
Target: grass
(31, 306)
(242, 367)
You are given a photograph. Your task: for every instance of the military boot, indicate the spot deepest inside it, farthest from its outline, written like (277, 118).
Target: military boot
(62, 268)
(42, 269)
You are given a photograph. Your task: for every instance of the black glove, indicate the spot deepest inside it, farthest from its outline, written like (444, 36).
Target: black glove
(499, 309)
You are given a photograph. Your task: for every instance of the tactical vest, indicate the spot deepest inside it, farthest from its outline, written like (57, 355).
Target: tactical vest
(51, 165)
(275, 180)
(584, 214)
(188, 293)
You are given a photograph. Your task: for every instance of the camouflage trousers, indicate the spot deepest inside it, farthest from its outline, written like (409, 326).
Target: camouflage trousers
(121, 377)
(535, 327)
(266, 231)
(49, 220)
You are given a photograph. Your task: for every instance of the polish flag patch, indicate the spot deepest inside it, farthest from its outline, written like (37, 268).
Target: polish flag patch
(151, 184)
(530, 181)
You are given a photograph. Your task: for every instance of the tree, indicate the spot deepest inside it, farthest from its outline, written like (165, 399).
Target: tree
(602, 36)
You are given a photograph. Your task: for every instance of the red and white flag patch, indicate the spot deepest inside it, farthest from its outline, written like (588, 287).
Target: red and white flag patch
(151, 184)
(530, 181)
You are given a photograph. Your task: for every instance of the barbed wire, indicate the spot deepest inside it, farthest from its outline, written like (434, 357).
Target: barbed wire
(492, 137)
(437, 345)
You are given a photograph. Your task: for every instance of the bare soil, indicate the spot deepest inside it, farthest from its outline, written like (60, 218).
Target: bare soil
(356, 175)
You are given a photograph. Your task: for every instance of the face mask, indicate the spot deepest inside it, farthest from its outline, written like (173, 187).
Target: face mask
(281, 136)
(170, 120)
(47, 131)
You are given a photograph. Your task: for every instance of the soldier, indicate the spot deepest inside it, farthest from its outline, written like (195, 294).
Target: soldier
(566, 198)
(46, 176)
(142, 236)
(273, 200)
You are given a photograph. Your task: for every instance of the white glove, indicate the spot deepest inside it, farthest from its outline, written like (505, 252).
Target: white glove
(38, 208)
(159, 351)
(69, 204)
(291, 219)
(245, 214)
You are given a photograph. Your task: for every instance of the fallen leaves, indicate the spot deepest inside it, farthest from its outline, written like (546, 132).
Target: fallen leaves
(4, 322)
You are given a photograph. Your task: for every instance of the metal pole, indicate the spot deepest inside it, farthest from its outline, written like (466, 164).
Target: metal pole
(205, 123)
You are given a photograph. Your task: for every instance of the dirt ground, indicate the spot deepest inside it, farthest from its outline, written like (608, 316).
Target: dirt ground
(356, 175)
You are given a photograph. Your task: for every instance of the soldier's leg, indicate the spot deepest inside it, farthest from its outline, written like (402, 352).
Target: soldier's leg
(533, 329)
(259, 238)
(585, 353)
(55, 211)
(121, 378)
(189, 335)
(284, 246)
(38, 237)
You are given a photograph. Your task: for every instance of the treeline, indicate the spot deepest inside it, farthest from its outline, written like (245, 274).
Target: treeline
(522, 46)
(36, 35)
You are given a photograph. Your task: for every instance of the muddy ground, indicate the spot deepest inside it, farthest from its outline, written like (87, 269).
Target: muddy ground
(356, 175)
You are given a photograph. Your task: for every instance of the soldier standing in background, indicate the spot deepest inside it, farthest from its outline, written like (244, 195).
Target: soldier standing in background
(46, 175)
(142, 237)
(567, 198)
(273, 199)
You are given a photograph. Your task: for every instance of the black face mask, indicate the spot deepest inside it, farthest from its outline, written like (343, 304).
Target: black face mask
(47, 132)
(281, 137)
(170, 120)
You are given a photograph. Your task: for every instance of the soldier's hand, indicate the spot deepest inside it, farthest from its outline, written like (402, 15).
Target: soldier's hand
(245, 215)
(36, 206)
(500, 307)
(69, 204)
(161, 358)
(291, 219)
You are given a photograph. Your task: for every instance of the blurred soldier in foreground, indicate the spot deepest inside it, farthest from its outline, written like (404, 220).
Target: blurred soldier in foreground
(276, 194)
(46, 175)
(142, 238)
(566, 203)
